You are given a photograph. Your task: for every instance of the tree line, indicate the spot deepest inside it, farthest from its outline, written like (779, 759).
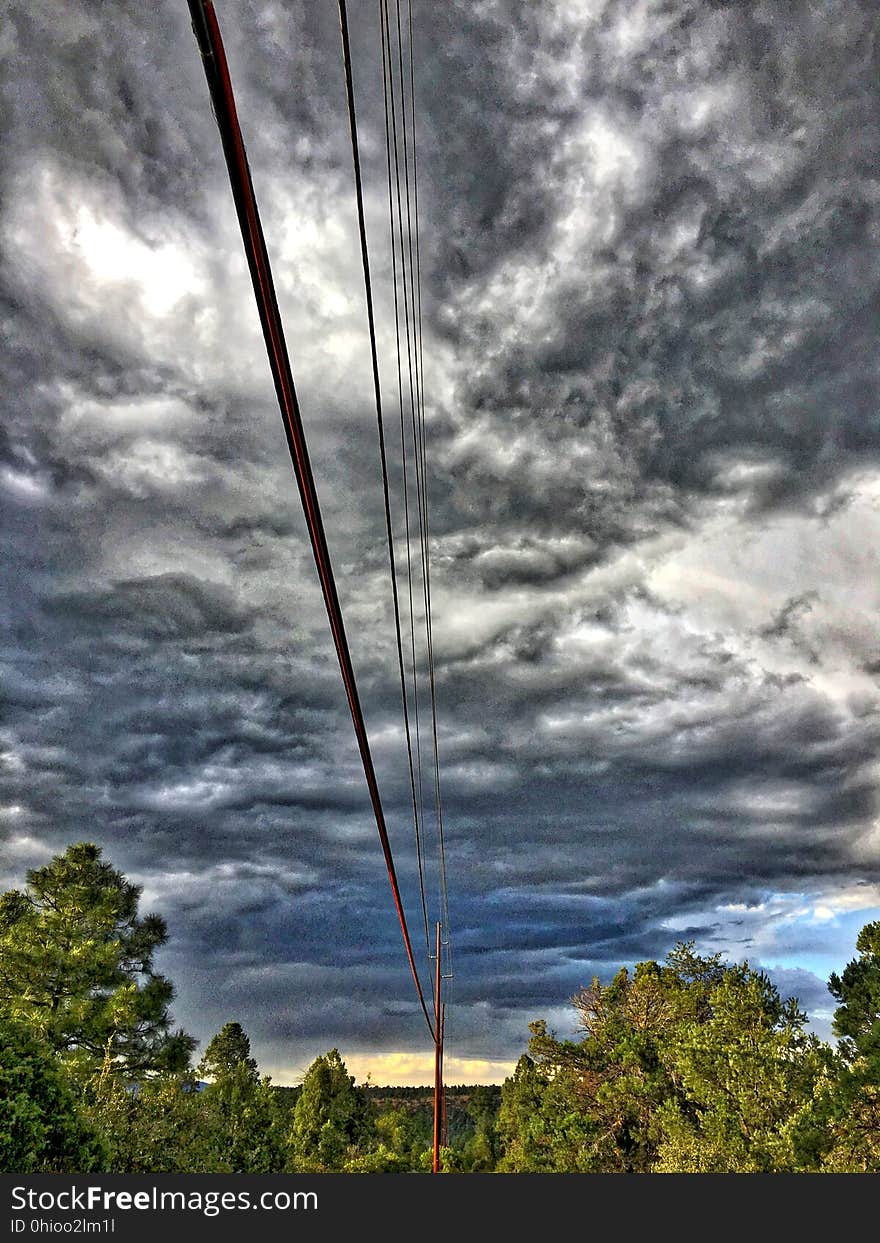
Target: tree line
(690, 1065)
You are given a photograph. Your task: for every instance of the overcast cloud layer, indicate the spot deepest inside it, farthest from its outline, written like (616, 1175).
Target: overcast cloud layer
(651, 272)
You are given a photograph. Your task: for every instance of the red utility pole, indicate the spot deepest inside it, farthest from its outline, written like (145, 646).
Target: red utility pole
(444, 1133)
(438, 1063)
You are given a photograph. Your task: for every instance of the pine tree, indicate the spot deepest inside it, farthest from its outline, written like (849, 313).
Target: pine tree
(76, 967)
(332, 1116)
(855, 1120)
(240, 1109)
(229, 1048)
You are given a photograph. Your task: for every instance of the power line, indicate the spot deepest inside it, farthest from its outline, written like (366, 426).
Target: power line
(394, 193)
(415, 361)
(414, 353)
(429, 623)
(207, 32)
(388, 86)
(371, 322)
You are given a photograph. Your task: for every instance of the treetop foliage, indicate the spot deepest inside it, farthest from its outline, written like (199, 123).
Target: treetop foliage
(229, 1049)
(42, 1127)
(688, 1065)
(691, 1065)
(76, 966)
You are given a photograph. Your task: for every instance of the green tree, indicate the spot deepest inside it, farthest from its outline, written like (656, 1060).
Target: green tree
(158, 1126)
(605, 1089)
(403, 1144)
(42, 1127)
(745, 1075)
(522, 1097)
(242, 1110)
(618, 1078)
(688, 1065)
(540, 1126)
(480, 1151)
(855, 1106)
(332, 1118)
(229, 1048)
(857, 1019)
(76, 966)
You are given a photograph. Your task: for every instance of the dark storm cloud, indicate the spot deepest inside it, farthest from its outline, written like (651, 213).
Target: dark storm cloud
(722, 313)
(812, 994)
(164, 606)
(650, 277)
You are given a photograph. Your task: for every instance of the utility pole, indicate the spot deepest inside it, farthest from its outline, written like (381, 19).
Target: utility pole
(438, 1062)
(444, 1131)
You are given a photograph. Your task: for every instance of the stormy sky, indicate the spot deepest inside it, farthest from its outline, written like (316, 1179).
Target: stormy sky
(650, 269)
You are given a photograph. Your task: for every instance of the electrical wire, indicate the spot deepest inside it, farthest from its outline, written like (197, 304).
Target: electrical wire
(391, 144)
(429, 625)
(377, 387)
(207, 32)
(403, 249)
(411, 264)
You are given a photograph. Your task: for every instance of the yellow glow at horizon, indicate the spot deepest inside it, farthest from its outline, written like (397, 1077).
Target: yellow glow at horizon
(409, 1070)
